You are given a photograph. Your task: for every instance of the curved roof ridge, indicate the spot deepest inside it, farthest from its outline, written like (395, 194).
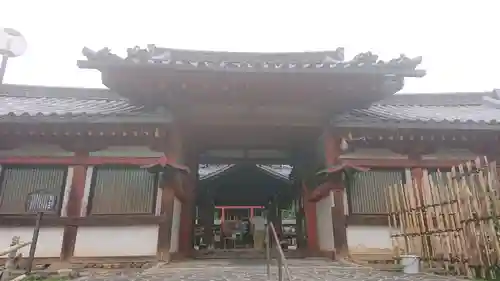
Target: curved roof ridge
(35, 91)
(436, 99)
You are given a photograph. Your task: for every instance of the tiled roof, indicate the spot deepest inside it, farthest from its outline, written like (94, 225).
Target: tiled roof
(428, 111)
(61, 106)
(19, 103)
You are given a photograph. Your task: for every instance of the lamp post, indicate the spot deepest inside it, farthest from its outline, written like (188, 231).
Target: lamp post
(12, 44)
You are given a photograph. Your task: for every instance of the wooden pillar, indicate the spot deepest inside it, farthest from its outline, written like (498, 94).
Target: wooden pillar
(188, 207)
(174, 153)
(74, 205)
(339, 220)
(305, 159)
(311, 222)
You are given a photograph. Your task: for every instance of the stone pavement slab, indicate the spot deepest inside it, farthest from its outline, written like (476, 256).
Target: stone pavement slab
(243, 270)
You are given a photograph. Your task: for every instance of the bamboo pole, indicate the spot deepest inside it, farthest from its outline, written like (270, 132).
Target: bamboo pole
(450, 219)
(392, 222)
(427, 225)
(488, 214)
(457, 249)
(401, 209)
(439, 228)
(478, 215)
(466, 196)
(422, 223)
(14, 248)
(411, 230)
(458, 221)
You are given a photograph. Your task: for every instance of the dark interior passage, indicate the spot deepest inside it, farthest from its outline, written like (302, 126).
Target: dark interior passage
(233, 196)
(244, 185)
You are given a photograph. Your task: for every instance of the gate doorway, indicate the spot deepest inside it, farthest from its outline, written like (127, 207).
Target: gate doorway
(233, 201)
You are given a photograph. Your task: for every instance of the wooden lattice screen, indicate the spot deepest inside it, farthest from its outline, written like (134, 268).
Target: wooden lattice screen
(366, 191)
(20, 180)
(122, 190)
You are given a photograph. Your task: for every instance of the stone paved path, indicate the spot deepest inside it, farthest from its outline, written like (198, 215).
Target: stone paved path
(254, 270)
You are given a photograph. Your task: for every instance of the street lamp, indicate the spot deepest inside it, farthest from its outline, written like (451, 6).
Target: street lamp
(12, 44)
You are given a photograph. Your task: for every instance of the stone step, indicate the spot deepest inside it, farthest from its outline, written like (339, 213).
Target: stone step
(241, 254)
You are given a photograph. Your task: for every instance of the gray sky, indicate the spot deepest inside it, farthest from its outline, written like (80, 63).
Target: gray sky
(459, 41)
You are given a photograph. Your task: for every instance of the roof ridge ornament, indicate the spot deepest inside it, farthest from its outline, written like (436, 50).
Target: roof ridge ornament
(406, 62)
(335, 57)
(333, 61)
(492, 101)
(102, 54)
(496, 92)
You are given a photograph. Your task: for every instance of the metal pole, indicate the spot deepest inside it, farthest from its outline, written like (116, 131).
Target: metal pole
(268, 253)
(3, 67)
(280, 269)
(34, 240)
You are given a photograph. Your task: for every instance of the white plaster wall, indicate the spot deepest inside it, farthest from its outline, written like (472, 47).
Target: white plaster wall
(49, 242)
(36, 151)
(98, 241)
(176, 223)
(361, 236)
(324, 223)
(127, 151)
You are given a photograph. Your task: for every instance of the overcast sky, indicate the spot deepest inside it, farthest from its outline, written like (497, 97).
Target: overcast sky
(458, 41)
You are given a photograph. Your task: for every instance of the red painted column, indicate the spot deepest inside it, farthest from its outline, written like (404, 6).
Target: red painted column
(74, 204)
(311, 222)
(173, 152)
(188, 211)
(185, 238)
(417, 173)
(339, 220)
(77, 185)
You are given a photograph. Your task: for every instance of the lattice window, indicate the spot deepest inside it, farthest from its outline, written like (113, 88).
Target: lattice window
(20, 180)
(122, 190)
(367, 190)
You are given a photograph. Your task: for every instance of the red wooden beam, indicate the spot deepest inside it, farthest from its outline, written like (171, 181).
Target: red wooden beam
(239, 207)
(311, 218)
(95, 160)
(69, 160)
(403, 163)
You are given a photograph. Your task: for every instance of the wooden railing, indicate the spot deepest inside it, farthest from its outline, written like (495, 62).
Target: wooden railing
(272, 237)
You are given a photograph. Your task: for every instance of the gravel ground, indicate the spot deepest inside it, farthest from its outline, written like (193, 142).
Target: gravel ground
(255, 270)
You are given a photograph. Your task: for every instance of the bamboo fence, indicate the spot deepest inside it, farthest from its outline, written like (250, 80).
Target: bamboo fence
(449, 219)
